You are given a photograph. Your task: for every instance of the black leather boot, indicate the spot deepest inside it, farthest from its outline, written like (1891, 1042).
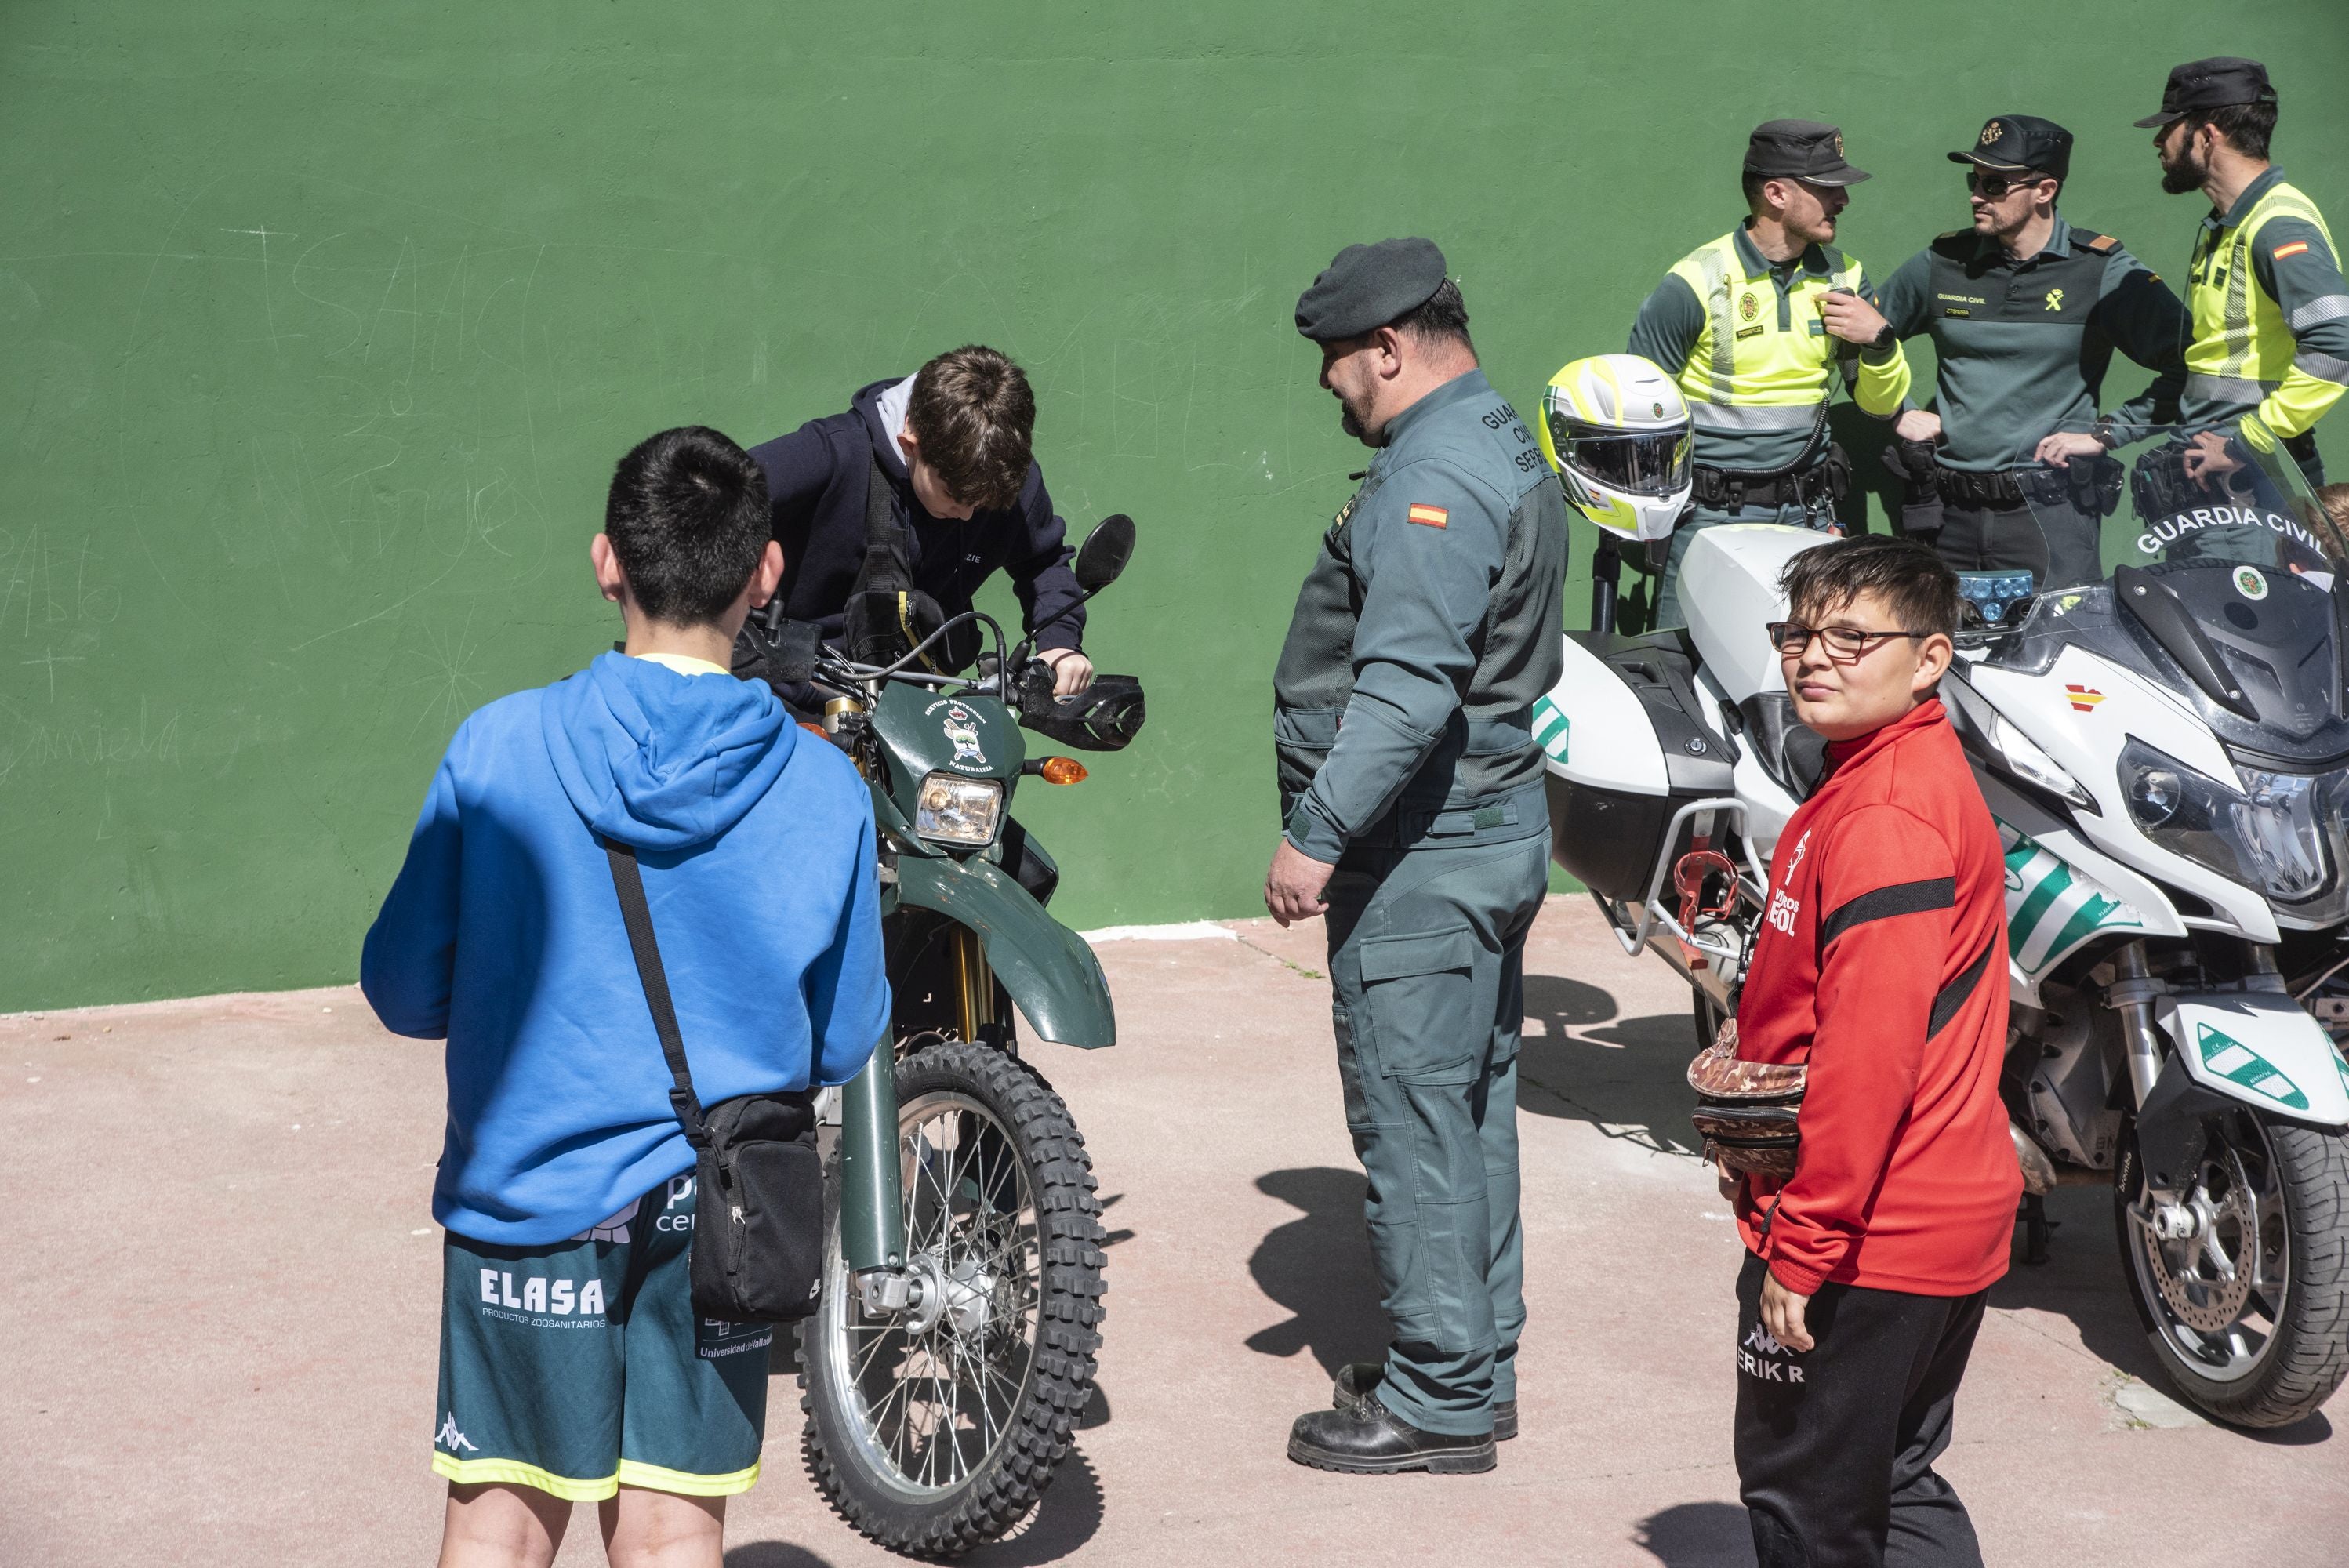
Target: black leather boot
(1367, 1438)
(1356, 1378)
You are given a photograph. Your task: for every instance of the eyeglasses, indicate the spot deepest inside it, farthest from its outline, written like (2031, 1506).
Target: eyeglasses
(1993, 187)
(1792, 638)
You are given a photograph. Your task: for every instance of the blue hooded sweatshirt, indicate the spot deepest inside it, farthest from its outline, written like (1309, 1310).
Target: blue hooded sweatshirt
(503, 934)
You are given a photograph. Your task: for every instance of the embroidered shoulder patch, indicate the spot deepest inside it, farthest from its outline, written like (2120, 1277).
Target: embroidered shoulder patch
(2295, 248)
(1431, 516)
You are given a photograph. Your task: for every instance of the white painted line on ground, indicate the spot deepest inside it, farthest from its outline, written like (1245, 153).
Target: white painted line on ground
(1187, 931)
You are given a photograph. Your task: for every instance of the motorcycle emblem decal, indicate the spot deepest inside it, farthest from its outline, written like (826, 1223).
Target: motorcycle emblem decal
(961, 727)
(2084, 698)
(1748, 307)
(2054, 299)
(2053, 907)
(2249, 583)
(1550, 729)
(2237, 1063)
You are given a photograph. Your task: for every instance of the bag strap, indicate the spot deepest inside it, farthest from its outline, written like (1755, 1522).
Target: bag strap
(630, 884)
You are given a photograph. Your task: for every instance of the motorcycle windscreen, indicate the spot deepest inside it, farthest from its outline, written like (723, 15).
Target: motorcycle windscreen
(2229, 497)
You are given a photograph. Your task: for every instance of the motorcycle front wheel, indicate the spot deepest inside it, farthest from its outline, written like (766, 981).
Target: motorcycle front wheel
(2248, 1313)
(937, 1428)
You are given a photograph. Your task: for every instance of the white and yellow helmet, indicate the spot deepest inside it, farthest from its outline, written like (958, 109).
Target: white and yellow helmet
(1615, 429)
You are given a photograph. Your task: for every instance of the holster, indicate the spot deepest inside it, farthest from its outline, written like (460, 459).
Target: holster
(1920, 486)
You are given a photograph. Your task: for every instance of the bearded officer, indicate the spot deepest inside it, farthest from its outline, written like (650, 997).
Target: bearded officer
(1413, 818)
(2271, 313)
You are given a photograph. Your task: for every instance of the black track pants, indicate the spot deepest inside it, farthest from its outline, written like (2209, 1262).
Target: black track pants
(1836, 1445)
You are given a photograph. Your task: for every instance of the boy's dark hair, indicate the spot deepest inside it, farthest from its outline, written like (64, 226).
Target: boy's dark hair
(1920, 592)
(973, 414)
(686, 516)
(1443, 315)
(2247, 127)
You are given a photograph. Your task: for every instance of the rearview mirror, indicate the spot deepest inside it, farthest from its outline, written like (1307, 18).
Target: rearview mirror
(1105, 553)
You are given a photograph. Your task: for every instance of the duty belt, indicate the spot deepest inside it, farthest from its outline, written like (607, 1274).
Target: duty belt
(1825, 479)
(1997, 491)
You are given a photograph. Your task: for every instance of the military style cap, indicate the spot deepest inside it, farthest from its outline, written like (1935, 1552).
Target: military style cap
(1804, 149)
(1367, 286)
(2211, 84)
(2011, 142)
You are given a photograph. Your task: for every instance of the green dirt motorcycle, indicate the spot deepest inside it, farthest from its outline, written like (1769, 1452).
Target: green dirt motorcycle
(952, 1354)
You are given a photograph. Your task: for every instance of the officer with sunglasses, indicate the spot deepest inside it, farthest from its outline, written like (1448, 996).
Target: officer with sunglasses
(2009, 467)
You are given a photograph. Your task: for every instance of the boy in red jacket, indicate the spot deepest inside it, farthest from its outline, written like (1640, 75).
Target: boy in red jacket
(1882, 963)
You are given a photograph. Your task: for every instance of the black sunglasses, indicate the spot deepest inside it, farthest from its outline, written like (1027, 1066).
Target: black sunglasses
(1791, 637)
(1994, 187)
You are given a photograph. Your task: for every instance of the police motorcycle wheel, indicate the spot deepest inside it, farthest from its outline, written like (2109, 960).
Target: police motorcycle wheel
(2249, 1314)
(938, 1429)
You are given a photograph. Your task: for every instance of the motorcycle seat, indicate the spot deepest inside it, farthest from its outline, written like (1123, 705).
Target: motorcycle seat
(1793, 754)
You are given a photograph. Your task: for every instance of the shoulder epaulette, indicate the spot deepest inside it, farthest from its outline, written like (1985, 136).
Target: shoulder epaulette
(1955, 234)
(2102, 244)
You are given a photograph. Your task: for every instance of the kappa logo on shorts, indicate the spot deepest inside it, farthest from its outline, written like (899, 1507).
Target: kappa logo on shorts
(452, 1439)
(1754, 1359)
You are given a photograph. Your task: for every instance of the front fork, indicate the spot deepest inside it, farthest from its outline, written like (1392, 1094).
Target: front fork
(872, 1176)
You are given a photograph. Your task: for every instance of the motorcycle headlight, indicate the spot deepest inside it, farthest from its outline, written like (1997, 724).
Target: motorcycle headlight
(2278, 834)
(2026, 761)
(2268, 835)
(957, 811)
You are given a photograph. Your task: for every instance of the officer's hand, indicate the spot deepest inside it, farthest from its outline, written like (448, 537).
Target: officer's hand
(1071, 671)
(2059, 450)
(2206, 459)
(1918, 425)
(1782, 1314)
(1292, 888)
(1852, 318)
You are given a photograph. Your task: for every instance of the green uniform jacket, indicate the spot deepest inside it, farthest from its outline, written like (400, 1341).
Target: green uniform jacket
(2024, 345)
(1402, 704)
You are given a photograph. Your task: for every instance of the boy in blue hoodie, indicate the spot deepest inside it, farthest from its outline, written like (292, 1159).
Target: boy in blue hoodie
(573, 1366)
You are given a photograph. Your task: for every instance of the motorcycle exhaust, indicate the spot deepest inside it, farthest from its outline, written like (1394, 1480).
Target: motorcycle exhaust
(2038, 1169)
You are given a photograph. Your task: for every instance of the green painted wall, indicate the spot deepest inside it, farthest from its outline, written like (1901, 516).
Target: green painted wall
(322, 326)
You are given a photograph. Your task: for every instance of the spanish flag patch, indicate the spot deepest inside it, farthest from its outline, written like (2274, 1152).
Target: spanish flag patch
(2293, 249)
(1431, 516)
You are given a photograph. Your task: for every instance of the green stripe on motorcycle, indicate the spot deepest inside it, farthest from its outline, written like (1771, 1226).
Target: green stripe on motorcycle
(2019, 926)
(2237, 1063)
(1550, 727)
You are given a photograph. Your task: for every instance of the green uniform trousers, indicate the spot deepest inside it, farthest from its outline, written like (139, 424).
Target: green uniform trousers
(1427, 975)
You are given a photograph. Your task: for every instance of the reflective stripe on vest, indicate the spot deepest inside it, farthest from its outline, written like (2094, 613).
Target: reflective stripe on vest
(2242, 343)
(1745, 372)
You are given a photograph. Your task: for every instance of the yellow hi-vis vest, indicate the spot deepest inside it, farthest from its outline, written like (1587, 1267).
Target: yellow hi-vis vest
(2243, 346)
(1747, 370)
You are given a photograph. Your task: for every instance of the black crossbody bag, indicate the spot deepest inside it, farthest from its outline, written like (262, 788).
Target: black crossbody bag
(758, 1228)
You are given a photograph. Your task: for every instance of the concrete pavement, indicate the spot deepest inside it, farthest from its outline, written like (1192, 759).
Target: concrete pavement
(221, 1315)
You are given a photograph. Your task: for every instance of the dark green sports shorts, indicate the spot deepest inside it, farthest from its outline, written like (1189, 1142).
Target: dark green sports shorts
(581, 1367)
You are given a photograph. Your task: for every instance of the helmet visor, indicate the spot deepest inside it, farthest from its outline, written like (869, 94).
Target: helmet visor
(1655, 463)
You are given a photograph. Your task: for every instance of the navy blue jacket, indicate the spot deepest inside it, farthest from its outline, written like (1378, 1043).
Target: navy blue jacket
(817, 479)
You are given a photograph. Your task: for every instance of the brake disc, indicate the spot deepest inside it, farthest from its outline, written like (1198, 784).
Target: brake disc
(2208, 1286)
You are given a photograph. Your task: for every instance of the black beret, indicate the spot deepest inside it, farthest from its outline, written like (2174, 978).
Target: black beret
(1367, 286)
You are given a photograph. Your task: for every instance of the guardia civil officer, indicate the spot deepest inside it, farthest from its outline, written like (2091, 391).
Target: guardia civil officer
(1414, 818)
(1757, 327)
(2271, 314)
(2009, 469)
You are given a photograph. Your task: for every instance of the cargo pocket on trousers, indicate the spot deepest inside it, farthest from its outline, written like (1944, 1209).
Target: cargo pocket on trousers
(1418, 988)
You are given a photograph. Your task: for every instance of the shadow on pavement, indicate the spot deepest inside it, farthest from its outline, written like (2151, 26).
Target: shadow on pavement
(1318, 1267)
(774, 1555)
(1064, 1521)
(1698, 1536)
(1626, 1076)
(2083, 1280)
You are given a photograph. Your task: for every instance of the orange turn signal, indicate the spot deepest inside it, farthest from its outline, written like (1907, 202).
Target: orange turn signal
(1062, 771)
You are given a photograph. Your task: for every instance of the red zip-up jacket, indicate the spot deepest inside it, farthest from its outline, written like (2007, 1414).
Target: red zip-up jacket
(1882, 962)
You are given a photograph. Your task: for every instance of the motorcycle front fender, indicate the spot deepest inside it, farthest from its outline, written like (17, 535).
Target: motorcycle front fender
(1048, 970)
(2261, 1048)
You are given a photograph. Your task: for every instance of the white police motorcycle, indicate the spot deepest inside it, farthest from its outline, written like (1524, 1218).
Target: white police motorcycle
(2165, 753)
